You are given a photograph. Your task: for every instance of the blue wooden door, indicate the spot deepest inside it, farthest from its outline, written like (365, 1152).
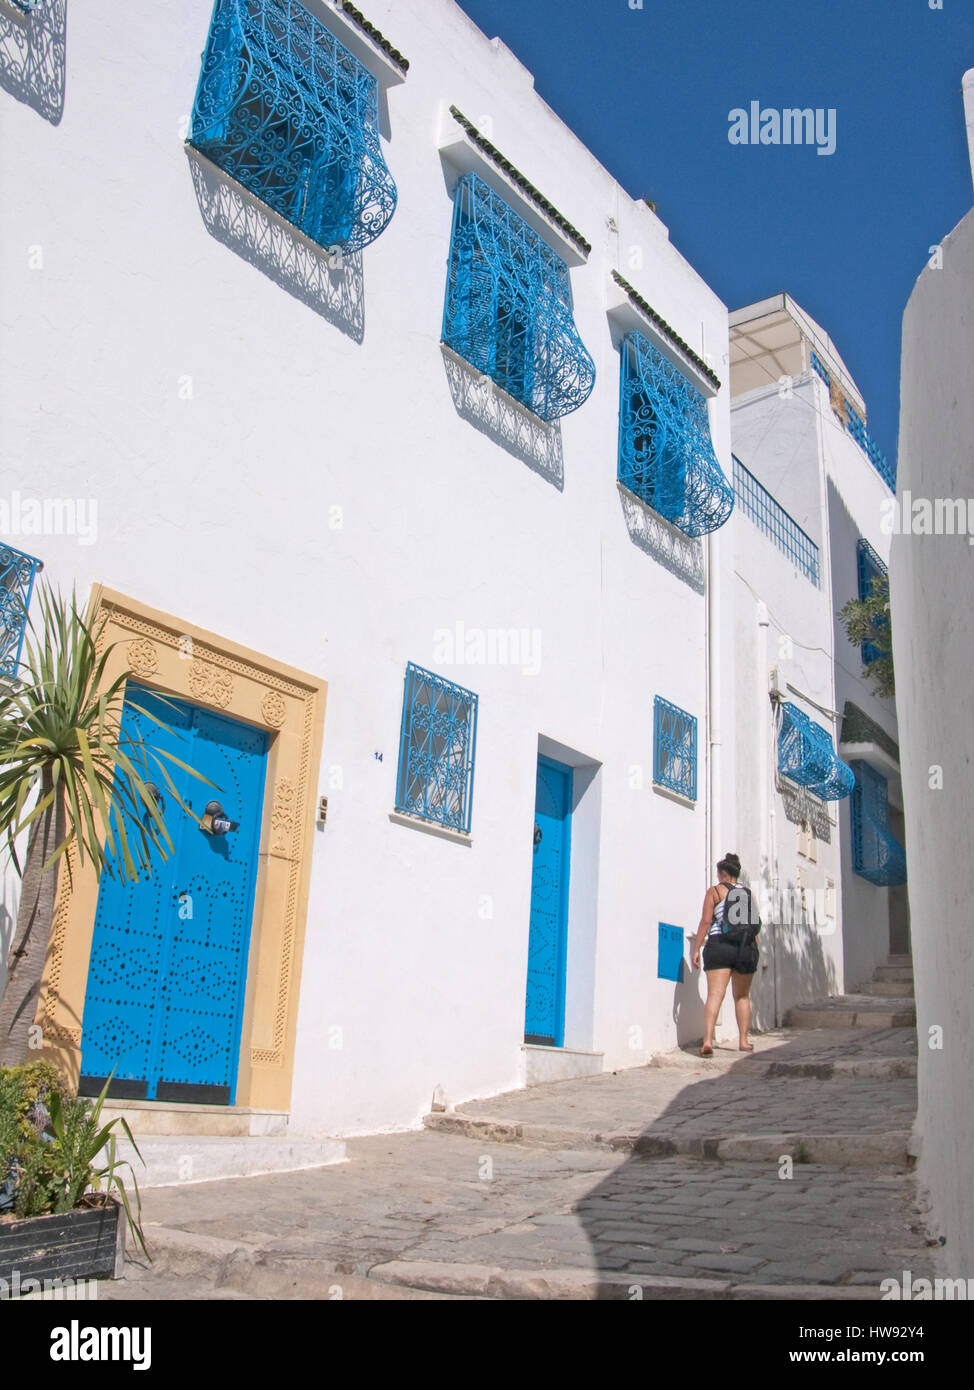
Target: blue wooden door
(544, 1016)
(168, 967)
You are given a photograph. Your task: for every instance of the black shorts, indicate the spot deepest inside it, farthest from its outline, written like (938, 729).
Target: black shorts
(730, 955)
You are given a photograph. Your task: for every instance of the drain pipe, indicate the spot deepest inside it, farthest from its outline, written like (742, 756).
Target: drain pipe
(765, 794)
(715, 824)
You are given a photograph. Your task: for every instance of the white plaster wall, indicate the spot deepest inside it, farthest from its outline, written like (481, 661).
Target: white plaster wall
(218, 422)
(930, 591)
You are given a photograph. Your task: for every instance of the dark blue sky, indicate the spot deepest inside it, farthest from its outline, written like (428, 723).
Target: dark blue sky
(649, 91)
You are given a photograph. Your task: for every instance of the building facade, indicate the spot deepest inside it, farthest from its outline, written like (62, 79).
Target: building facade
(391, 440)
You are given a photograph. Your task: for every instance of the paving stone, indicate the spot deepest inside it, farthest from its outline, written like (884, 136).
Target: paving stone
(732, 1264)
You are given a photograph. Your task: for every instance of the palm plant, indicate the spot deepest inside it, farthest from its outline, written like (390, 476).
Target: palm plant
(69, 778)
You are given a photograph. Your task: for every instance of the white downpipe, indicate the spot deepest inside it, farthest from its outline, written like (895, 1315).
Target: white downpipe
(765, 731)
(715, 824)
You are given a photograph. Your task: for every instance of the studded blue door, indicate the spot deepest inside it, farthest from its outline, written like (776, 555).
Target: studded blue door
(544, 1015)
(168, 961)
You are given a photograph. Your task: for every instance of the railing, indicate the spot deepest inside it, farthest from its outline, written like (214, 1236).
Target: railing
(774, 521)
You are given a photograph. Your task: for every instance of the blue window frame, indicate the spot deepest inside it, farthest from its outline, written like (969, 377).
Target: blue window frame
(509, 310)
(675, 748)
(877, 855)
(666, 457)
(775, 522)
(436, 750)
(17, 574)
(869, 567)
(819, 366)
(807, 756)
(285, 109)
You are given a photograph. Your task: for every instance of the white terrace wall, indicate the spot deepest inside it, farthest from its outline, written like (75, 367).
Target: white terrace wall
(315, 493)
(930, 586)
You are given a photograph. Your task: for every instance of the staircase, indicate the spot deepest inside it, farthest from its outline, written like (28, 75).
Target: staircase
(885, 1002)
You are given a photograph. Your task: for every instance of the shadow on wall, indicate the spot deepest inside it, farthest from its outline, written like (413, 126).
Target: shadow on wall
(801, 808)
(521, 434)
(668, 546)
(331, 286)
(32, 56)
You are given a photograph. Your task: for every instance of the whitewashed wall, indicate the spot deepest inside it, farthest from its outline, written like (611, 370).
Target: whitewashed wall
(930, 593)
(219, 421)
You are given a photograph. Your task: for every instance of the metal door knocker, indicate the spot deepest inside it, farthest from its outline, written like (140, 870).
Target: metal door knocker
(537, 837)
(157, 797)
(216, 821)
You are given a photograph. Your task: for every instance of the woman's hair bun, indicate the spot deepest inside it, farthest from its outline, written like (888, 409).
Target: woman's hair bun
(731, 864)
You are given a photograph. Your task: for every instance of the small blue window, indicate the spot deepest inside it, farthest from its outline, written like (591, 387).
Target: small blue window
(877, 855)
(675, 749)
(285, 109)
(869, 567)
(666, 457)
(436, 750)
(17, 573)
(509, 309)
(807, 756)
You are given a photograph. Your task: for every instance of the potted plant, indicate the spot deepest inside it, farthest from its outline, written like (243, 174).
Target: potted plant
(62, 1195)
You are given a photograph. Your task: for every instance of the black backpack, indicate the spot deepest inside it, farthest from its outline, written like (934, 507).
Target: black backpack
(740, 923)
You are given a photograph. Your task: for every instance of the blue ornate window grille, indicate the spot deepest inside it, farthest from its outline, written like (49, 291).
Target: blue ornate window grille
(806, 755)
(436, 750)
(666, 456)
(856, 426)
(775, 522)
(819, 366)
(869, 567)
(26, 5)
(675, 748)
(285, 109)
(877, 855)
(509, 310)
(17, 574)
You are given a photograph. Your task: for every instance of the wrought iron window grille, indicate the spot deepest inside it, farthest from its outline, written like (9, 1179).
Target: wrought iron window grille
(869, 567)
(877, 855)
(807, 756)
(675, 749)
(25, 6)
(757, 503)
(819, 366)
(285, 109)
(666, 457)
(437, 749)
(509, 311)
(17, 574)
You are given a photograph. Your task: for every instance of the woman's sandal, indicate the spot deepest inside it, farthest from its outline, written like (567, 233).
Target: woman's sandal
(747, 1047)
(706, 1052)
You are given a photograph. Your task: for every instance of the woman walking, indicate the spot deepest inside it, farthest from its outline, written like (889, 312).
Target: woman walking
(724, 960)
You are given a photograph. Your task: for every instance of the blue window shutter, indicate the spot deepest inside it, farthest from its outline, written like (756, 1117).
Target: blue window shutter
(509, 309)
(285, 109)
(666, 457)
(877, 855)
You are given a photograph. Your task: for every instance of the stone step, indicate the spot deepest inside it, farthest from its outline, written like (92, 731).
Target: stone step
(888, 989)
(151, 1118)
(172, 1160)
(853, 1011)
(905, 959)
(893, 972)
(860, 1148)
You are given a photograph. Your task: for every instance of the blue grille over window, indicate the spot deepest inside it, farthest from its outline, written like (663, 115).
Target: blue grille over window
(775, 522)
(436, 750)
(27, 5)
(869, 567)
(675, 749)
(876, 853)
(806, 755)
(665, 452)
(287, 111)
(819, 366)
(856, 426)
(509, 309)
(17, 572)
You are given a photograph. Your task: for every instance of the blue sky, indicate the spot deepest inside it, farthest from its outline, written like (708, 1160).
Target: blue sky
(649, 91)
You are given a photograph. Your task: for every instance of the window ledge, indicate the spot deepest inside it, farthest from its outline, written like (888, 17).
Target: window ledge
(430, 827)
(671, 795)
(491, 385)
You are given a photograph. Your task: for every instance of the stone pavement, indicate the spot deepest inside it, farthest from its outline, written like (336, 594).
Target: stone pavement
(665, 1181)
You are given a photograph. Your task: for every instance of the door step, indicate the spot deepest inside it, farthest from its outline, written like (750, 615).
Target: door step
(853, 1011)
(888, 989)
(173, 1160)
(893, 972)
(543, 1064)
(158, 1118)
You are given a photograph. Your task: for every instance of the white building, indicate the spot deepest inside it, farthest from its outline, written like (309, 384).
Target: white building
(930, 588)
(236, 414)
(804, 539)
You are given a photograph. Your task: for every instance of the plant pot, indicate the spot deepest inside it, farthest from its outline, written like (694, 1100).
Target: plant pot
(87, 1243)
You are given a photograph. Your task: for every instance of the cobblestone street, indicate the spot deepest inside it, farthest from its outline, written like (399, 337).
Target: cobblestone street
(683, 1179)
